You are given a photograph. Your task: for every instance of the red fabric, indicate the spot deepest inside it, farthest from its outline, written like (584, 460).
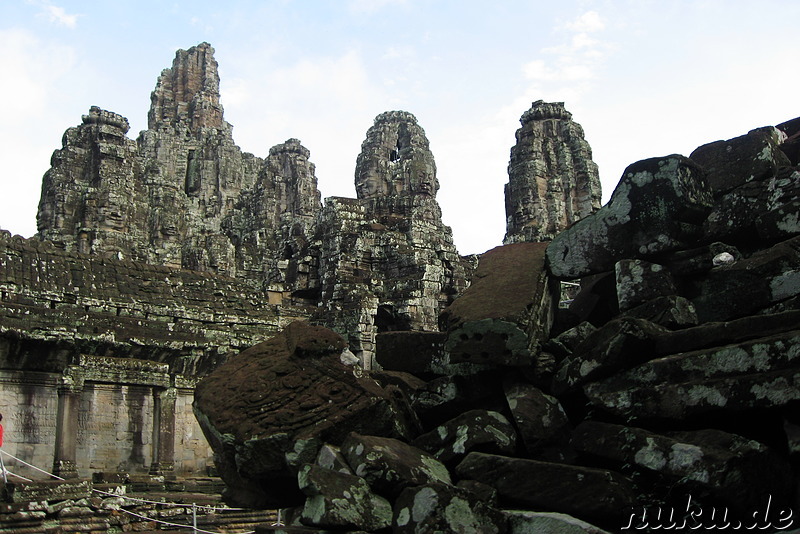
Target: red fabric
(1, 435)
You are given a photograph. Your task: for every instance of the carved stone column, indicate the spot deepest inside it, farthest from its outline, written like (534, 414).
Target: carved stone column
(163, 431)
(65, 456)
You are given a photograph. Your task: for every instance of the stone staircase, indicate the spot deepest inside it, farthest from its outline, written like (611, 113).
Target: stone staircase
(112, 504)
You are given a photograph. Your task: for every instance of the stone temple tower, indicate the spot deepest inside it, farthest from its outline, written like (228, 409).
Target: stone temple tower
(387, 260)
(552, 180)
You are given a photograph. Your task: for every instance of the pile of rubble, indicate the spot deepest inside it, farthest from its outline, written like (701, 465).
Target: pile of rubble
(665, 395)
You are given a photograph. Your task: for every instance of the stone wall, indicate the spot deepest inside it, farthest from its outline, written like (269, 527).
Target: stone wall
(91, 347)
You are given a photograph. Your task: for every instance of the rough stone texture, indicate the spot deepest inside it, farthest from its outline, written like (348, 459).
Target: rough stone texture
(619, 344)
(506, 313)
(759, 373)
(339, 500)
(446, 397)
(522, 522)
(671, 312)
(639, 281)
(480, 430)
(657, 207)
(742, 288)
(122, 308)
(540, 418)
(580, 491)
(270, 408)
(552, 180)
(762, 209)
(733, 469)
(390, 465)
(734, 162)
(432, 508)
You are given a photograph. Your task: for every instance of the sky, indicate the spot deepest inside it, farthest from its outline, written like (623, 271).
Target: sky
(644, 79)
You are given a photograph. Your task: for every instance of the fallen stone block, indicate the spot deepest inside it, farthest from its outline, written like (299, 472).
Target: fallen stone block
(340, 500)
(596, 302)
(47, 490)
(390, 465)
(656, 208)
(565, 343)
(752, 156)
(584, 492)
(671, 312)
(639, 281)
(268, 410)
(330, 457)
(506, 313)
(704, 463)
(759, 373)
(526, 522)
(447, 397)
(749, 285)
(434, 508)
(541, 420)
(699, 260)
(758, 211)
(619, 344)
(481, 430)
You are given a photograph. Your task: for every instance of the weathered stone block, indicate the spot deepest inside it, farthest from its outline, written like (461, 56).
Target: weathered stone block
(566, 342)
(506, 313)
(670, 312)
(759, 373)
(749, 285)
(539, 417)
(434, 508)
(482, 430)
(752, 156)
(619, 344)
(525, 522)
(51, 490)
(655, 208)
(639, 281)
(271, 407)
(339, 500)
(412, 352)
(447, 397)
(580, 491)
(390, 465)
(703, 463)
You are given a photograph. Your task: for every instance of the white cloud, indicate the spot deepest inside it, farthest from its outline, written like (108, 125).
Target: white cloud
(591, 21)
(578, 58)
(55, 14)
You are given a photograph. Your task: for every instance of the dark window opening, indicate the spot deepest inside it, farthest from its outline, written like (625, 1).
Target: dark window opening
(388, 320)
(192, 181)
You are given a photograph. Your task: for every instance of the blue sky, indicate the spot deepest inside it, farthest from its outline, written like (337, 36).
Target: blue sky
(643, 78)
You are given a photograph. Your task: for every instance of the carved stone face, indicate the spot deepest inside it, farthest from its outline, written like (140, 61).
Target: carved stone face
(425, 182)
(370, 183)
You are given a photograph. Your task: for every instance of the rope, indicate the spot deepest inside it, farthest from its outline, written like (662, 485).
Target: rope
(176, 524)
(213, 509)
(29, 465)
